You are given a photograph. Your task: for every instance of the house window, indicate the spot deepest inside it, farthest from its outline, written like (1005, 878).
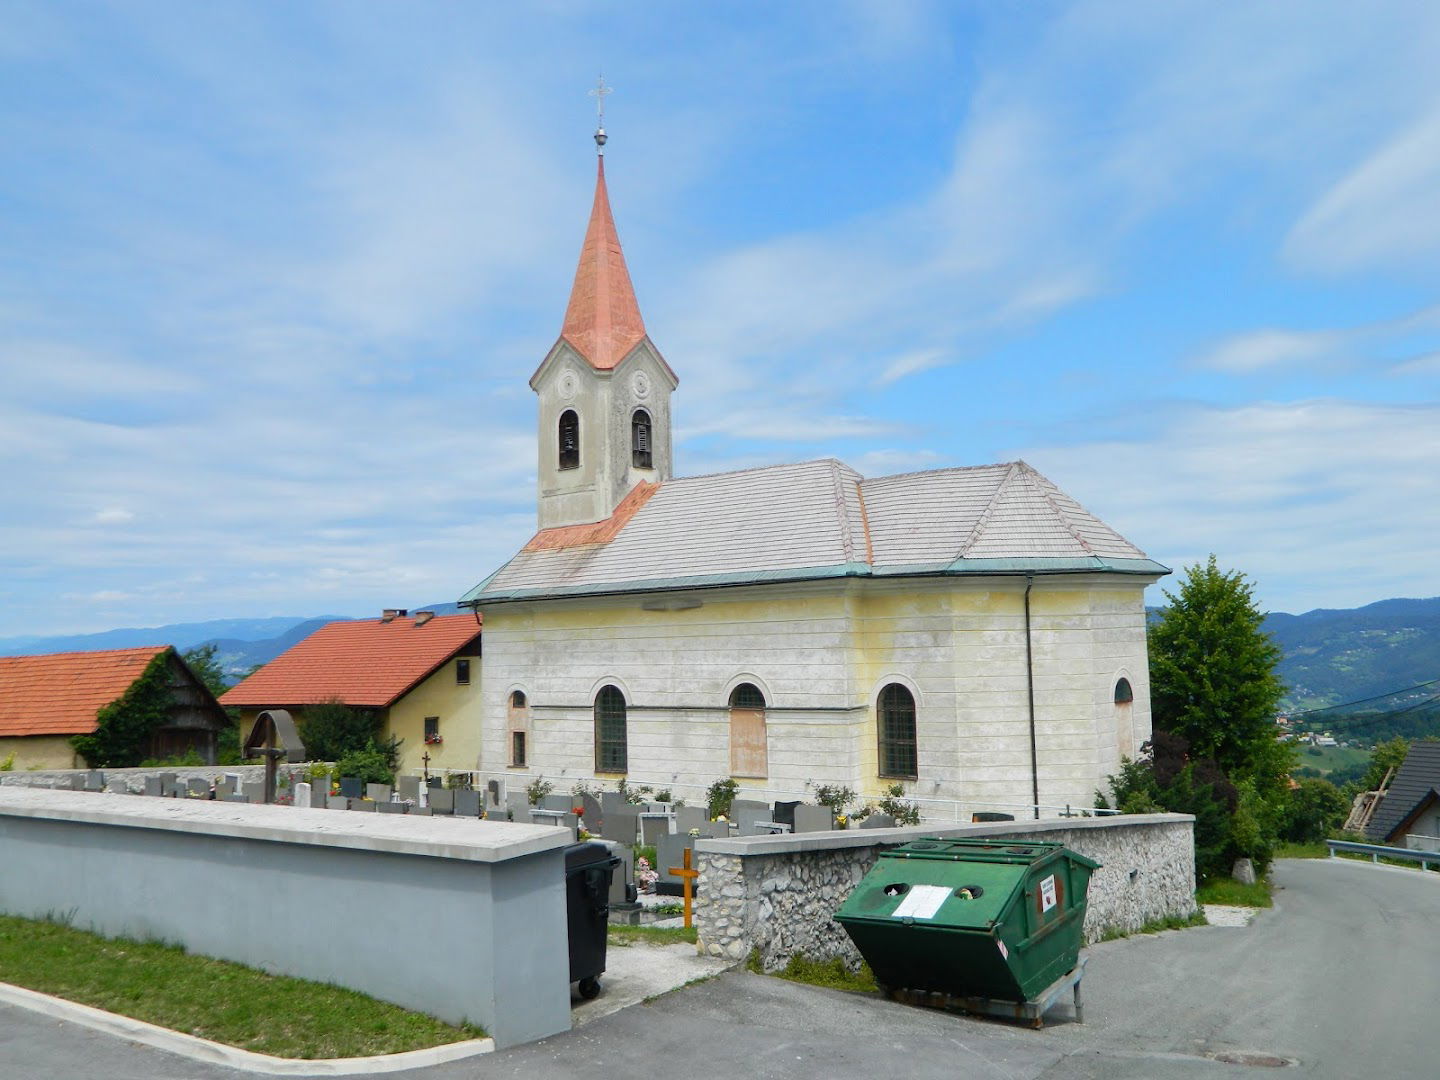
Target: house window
(517, 748)
(640, 439)
(898, 755)
(462, 672)
(610, 735)
(519, 727)
(1123, 693)
(432, 731)
(748, 750)
(569, 440)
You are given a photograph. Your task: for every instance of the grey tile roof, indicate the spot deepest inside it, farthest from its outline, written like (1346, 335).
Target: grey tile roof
(1414, 782)
(821, 518)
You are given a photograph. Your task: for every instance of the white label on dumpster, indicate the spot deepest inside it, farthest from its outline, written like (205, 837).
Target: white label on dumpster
(921, 902)
(1047, 894)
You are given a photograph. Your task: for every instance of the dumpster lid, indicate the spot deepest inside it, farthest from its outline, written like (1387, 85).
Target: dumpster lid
(972, 849)
(587, 853)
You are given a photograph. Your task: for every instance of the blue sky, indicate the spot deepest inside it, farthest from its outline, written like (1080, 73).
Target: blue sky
(273, 277)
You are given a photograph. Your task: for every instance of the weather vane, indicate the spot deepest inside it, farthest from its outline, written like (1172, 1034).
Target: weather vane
(599, 95)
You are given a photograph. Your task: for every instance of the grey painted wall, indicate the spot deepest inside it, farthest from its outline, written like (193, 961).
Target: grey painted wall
(462, 938)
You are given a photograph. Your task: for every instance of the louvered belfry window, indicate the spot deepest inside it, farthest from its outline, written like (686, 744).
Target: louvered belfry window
(610, 736)
(569, 440)
(898, 754)
(1123, 692)
(640, 437)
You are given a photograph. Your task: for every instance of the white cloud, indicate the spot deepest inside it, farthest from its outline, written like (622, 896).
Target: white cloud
(1258, 350)
(113, 515)
(1386, 210)
(1322, 502)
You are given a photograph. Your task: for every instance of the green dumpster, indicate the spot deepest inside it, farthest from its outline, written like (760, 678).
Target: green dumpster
(994, 919)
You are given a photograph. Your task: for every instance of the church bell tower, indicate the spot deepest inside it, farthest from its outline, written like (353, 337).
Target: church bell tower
(604, 388)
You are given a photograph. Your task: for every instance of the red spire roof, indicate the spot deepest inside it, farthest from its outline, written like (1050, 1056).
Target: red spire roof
(603, 320)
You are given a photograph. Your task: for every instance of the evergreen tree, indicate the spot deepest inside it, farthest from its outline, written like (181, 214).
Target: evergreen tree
(1212, 675)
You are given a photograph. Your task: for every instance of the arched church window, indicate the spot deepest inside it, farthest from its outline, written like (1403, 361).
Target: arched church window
(749, 753)
(611, 749)
(1124, 718)
(569, 440)
(519, 728)
(641, 436)
(898, 753)
(1123, 693)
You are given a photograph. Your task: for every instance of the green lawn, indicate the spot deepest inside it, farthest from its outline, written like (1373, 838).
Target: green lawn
(1228, 891)
(652, 935)
(212, 999)
(1326, 759)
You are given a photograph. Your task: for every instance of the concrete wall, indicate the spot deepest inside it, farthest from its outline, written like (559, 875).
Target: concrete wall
(820, 652)
(461, 919)
(135, 778)
(778, 895)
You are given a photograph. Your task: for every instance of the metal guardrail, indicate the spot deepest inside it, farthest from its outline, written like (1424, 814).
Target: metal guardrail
(1377, 852)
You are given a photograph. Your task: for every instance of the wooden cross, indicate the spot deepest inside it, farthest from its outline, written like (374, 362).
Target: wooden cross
(426, 759)
(688, 875)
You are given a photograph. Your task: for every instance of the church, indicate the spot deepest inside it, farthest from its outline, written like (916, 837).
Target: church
(971, 634)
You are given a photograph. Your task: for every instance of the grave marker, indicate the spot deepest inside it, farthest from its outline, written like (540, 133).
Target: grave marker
(467, 803)
(377, 792)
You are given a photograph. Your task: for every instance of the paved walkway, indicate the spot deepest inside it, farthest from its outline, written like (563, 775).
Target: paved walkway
(1342, 977)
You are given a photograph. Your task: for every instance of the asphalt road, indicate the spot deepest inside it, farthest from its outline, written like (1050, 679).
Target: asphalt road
(1341, 977)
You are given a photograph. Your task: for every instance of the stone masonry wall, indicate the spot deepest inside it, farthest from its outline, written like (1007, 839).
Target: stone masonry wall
(135, 778)
(781, 902)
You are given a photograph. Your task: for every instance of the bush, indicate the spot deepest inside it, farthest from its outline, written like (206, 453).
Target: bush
(370, 765)
(720, 795)
(1315, 809)
(333, 729)
(124, 727)
(904, 813)
(836, 796)
(537, 789)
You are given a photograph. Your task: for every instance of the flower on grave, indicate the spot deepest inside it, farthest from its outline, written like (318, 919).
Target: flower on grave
(694, 832)
(645, 877)
(723, 818)
(578, 811)
(841, 821)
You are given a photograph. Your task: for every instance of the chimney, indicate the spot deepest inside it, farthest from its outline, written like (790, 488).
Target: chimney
(390, 614)
(422, 617)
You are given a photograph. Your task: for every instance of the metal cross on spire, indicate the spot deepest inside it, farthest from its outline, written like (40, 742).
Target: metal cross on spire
(599, 93)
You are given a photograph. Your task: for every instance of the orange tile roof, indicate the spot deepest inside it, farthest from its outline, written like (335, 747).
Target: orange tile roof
(60, 693)
(598, 532)
(364, 662)
(603, 320)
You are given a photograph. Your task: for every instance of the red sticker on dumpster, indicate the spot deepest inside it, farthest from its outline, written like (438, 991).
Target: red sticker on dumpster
(1003, 950)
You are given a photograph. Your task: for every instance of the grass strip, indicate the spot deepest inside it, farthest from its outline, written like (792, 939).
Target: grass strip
(1231, 893)
(212, 999)
(830, 973)
(652, 935)
(1156, 926)
(1315, 850)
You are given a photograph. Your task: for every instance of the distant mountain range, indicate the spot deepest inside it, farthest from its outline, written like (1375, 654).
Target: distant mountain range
(1331, 656)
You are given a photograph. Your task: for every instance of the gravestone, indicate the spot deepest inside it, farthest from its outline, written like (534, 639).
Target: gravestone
(237, 798)
(377, 792)
(421, 811)
(671, 852)
(351, 787)
(467, 803)
(197, 788)
(363, 805)
(492, 796)
(254, 790)
(320, 794)
(745, 818)
(594, 815)
(715, 830)
(621, 825)
(519, 805)
(167, 784)
(690, 817)
(783, 813)
(409, 787)
(748, 804)
(391, 807)
(878, 821)
(302, 795)
(154, 786)
(117, 786)
(224, 786)
(652, 828)
(610, 800)
(563, 803)
(337, 802)
(623, 877)
(433, 782)
(813, 818)
(94, 780)
(571, 822)
(442, 801)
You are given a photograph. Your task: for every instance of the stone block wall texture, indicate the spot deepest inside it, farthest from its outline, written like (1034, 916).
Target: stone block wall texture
(781, 903)
(135, 778)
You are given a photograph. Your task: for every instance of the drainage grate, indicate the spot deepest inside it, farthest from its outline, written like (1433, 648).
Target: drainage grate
(1261, 1061)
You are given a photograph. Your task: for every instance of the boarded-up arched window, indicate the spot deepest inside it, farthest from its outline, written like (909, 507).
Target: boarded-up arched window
(1123, 693)
(611, 749)
(898, 754)
(569, 439)
(641, 436)
(749, 755)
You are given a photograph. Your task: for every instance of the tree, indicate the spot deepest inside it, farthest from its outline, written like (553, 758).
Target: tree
(333, 729)
(1316, 809)
(201, 661)
(1212, 676)
(1386, 756)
